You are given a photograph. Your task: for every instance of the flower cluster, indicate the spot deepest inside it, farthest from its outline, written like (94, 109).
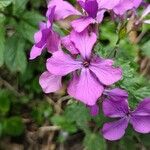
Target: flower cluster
(90, 75)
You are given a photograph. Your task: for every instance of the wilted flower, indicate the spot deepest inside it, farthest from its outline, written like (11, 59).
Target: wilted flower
(139, 118)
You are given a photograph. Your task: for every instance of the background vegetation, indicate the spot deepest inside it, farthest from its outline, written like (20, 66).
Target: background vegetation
(29, 119)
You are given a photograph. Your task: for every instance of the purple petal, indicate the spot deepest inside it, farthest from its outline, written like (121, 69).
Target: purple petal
(115, 109)
(68, 44)
(50, 15)
(63, 9)
(100, 16)
(141, 124)
(94, 110)
(115, 130)
(35, 52)
(85, 88)
(146, 12)
(136, 3)
(117, 94)
(143, 109)
(91, 7)
(105, 72)
(53, 42)
(123, 6)
(50, 83)
(82, 23)
(62, 64)
(108, 4)
(84, 42)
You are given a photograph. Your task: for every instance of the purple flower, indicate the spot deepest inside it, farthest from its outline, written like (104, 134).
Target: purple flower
(45, 38)
(49, 82)
(139, 118)
(91, 73)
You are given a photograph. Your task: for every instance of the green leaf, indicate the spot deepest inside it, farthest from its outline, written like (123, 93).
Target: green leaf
(27, 30)
(2, 44)
(33, 18)
(78, 113)
(4, 3)
(15, 57)
(64, 123)
(146, 47)
(94, 141)
(13, 126)
(4, 102)
(19, 6)
(41, 112)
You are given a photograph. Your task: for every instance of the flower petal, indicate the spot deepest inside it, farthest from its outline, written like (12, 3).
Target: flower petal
(115, 130)
(50, 83)
(115, 109)
(105, 72)
(91, 7)
(100, 16)
(85, 88)
(53, 42)
(84, 42)
(62, 64)
(94, 110)
(69, 45)
(108, 4)
(143, 109)
(117, 94)
(141, 124)
(35, 52)
(146, 12)
(63, 9)
(82, 23)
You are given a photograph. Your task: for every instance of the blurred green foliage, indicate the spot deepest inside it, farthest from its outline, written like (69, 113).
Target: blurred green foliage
(21, 95)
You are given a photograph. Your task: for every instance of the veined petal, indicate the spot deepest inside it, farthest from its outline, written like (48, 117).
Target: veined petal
(49, 82)
(117, 94)
(91, 7)
(63, 9)
(137, 3)
(62, 64)
(69, 45)
(141, 124)
(53, 42)
(108, 4)
(105, 72)
(84, 42)
(82, 23)
(143, 109)
(115, 109)
(100, 16)
(123, 6)
(115, 130)
(85, 88)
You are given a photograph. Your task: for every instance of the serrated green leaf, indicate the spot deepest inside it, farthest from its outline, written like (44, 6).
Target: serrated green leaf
(2, 44)
(15, 57)
(94, 141)
(77, 112)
